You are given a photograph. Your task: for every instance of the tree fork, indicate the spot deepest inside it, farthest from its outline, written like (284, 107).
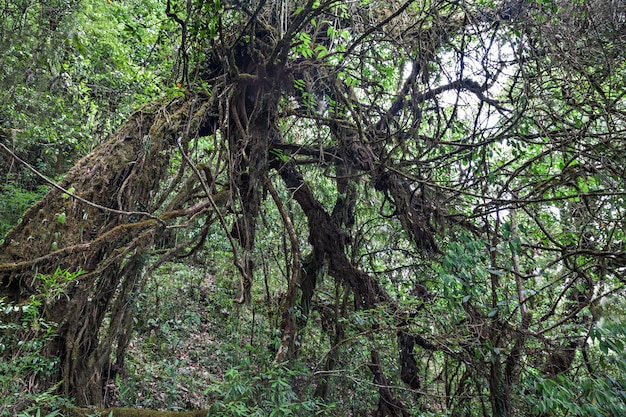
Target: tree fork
(327, 237)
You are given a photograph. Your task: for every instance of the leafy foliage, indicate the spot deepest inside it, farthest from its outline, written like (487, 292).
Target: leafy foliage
(68, 79)
(16, 200)
(24, 334)
(422, 203)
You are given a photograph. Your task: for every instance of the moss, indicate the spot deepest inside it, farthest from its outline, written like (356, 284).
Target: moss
(130, 412)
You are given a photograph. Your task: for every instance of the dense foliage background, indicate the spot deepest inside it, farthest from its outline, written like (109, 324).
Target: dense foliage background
(313, 207)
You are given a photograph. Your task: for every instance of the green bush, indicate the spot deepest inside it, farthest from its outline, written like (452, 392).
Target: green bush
(14, 201)
(268, 393)
(600, 393)
(24, 365)
(23, 335)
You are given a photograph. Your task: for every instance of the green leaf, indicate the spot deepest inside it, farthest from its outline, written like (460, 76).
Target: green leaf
(71, 190)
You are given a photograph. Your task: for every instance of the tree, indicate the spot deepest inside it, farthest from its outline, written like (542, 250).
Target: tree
(72, 71)
(478, 144)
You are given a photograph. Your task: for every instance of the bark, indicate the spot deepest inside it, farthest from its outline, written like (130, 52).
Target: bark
(327, 237)
(288, 345)
(321, 390)
(499, 392)
(332, 324)
(109, 240)
(388, 405)
(409, 372)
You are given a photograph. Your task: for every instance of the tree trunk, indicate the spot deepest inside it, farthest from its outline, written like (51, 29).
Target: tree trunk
(388, 405)
(499, 393)
(107, 226)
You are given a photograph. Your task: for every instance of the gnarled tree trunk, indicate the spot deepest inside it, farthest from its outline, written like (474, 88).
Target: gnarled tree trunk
(103, 229)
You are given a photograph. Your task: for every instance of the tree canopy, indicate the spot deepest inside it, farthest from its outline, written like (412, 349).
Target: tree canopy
(428, 195)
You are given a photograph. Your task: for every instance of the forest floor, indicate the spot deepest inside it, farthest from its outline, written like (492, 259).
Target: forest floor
(188, 334)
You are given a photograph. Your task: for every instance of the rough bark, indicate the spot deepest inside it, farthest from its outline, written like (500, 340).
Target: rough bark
(499, 391)
(409, 371)
(124, 174)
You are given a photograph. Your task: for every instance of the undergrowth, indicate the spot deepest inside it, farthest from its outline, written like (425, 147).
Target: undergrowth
(14, 201)
(24, 333)
(195, 348)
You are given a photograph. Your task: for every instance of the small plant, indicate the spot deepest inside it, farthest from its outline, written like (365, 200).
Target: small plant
(24, 332)
(14, 201)
(54, 285)
(602, 393)
(38, 414)
(268, 393)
